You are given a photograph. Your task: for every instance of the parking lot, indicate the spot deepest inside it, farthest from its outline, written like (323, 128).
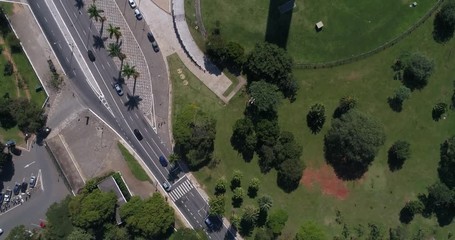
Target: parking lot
(28, 202)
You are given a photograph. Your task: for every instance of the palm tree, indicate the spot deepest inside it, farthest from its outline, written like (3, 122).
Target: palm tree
(94, 12)
(114, 50)
(114, 31)
(128, 70)
(265, 203)
(135, 76)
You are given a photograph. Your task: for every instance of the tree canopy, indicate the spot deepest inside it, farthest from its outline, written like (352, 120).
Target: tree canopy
(216, 205)
(244, 138)
(266, 96)
(446, 168)
(444, 23)
(417, 68)
(316, 118)
(93, 209)
(352, 143)
(188, 234)
(398, 153)
(19, 232)
(277, 220)
(151, 218)
(78, 234)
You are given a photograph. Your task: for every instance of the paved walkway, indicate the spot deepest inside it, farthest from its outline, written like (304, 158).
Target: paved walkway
(169, 37)
(130, 47)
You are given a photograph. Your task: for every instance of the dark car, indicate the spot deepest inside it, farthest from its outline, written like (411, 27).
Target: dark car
(17, 189)
(1, 198)
(91, 56)
(32, 181)
(118, 89)
(163, 161)
(209, 223)
(138, 134)
(24, 187)
(153, 41)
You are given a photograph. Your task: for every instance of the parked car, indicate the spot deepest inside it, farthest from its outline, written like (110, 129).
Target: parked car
(118, 89)
(138, 134)
(7, 196)
(1, 198)
(153, 41)
(24, 186)
(32, 181)
(163, 161)
(91, 56)
(138, 14)
(132, 3)
(17, 188)
(167, 186)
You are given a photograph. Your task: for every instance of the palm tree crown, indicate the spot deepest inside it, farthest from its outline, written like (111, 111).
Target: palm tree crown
(128, 70)
(94, 12)
(114, 50)
(114, 31)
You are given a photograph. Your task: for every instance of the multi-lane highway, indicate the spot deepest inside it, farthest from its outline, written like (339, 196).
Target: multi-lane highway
(111, 107)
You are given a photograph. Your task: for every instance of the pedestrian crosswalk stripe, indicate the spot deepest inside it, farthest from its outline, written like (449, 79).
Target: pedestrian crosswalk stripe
(181, 190)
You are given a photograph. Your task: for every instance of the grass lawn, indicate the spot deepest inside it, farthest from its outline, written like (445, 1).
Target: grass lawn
(190, 16)
(133, 165)
(380, 194)
(349, 27)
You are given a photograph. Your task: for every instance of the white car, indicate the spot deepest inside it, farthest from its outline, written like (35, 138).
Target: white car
(138, 14)
(1, 231)
(132, 3)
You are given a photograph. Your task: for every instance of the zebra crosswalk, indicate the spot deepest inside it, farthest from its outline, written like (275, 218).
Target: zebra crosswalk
(181, 190)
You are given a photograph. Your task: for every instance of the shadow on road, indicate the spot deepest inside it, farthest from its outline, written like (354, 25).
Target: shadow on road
(7, 172)
(133, 102)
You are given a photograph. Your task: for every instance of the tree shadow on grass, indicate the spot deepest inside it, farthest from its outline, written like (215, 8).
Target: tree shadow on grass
(278, 24)
(395, 104)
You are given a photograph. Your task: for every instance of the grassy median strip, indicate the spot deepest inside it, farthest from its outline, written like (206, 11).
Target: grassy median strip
(133, 165)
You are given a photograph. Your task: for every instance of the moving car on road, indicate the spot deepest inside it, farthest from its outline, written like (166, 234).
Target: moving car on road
(163, 161)
(138, 14)
(132, 3)
(91, 56)
(138, 134)
(167, 186)
(118, 89)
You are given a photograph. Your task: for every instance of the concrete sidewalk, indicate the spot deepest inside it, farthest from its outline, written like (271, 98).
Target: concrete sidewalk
(170, 39)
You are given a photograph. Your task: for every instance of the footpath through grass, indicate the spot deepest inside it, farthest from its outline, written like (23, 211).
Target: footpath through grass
(133, 164)
(379, 196)
(350, 27)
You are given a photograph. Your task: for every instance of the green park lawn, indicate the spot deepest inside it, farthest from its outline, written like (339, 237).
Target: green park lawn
(134, 166)
(379, 196)
(350, 27)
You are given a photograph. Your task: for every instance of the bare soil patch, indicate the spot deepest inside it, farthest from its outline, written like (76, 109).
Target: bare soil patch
(327, 180)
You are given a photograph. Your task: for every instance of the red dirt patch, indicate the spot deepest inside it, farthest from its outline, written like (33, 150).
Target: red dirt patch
(327, 180)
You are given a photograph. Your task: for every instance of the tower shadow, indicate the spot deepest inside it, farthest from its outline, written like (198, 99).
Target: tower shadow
(279, 21)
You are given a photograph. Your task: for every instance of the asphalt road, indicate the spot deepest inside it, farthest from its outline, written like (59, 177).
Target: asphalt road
(124, 119)
(49, 189)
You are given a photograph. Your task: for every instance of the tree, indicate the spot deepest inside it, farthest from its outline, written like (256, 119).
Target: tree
(441, 201)
(151, 218)
(398, 153)
(417, 68)
(244, 138)
(78, 234)
(93, 209)
(234, 56)
(286, 148)
(216, 206)
(19, 232)
(453, 100)
(315, 118)
(446, 169)
(128, 70)
(409, 210)
(59, 224)
(113, 232)
(444, 22)
(266, 158)
(220, 186)
(289, 174)
(215, 49)
(438, 111)
(253, 187)
(115, 50)
(29, 116)
(268, 62)
(237, 197)
(345, 104)
(277, 220)
(352, 143)
(236, 179)
(248, 219)
(310, 231)
(396, 101)
(265, 202)
(398, 233)
(114, 31)
(94, 12)
(375, 232)
(188, 234)
(263, 234)
(264, 96)
(267, 132)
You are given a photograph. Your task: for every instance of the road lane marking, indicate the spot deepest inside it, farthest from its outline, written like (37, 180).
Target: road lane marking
(102, 65)
(40, 178)
(38, 5)
(45, 19)
(108, 64)
(28, 165)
